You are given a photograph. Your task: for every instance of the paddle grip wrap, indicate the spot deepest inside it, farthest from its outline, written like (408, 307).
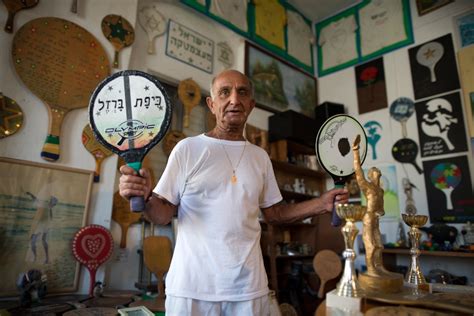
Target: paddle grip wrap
(137, 203)
(336, 220)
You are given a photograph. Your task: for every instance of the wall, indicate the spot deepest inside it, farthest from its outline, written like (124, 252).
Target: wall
(340, 87)
(27, 143)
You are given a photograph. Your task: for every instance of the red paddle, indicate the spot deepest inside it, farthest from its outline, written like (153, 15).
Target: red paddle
(92, 245)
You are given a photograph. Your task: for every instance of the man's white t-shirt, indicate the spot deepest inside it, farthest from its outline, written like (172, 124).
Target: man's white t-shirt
(217, 256)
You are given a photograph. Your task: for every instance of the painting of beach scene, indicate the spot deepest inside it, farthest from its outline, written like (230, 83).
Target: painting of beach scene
(41, 208)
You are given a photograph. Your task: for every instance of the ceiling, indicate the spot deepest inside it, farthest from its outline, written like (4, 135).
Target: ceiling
(317, 10)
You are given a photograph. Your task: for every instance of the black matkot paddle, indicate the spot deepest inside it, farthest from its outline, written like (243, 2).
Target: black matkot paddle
(405, 150)
(334, 150)
(130, 113)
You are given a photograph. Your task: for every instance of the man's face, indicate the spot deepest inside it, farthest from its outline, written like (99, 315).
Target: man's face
(233, 100)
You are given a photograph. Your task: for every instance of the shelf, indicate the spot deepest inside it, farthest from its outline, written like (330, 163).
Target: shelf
(294, 256)
(295, 224)
(456, 254)
(296, 196)
(297, 170)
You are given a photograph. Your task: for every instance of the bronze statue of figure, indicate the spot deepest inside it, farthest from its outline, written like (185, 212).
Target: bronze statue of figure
(371, 233)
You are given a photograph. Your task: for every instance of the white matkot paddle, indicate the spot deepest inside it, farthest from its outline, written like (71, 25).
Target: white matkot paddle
(334, 150)
(428, 55)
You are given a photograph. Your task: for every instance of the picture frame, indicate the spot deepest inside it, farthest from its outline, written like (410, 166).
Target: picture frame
(43, 206)
(278, 85)
(427, 6)
(135, 311)
(464, 29)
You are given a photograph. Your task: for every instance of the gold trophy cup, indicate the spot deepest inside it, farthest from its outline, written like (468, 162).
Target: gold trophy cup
(348, 285)
(414, 275)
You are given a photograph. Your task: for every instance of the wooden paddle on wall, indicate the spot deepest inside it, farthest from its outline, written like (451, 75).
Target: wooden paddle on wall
(98, 151)
(189, 94)
(11, 116)
(157, 252)
(61, 63)
(119, 32)
(122, 214)
(328, 266)
(13, 6)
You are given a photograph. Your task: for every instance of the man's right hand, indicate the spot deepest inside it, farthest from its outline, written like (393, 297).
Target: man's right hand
(131, 184)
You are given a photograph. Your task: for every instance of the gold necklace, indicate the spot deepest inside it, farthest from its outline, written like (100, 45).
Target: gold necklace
(233, 179)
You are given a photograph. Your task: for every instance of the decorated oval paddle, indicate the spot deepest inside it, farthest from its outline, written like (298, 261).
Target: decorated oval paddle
(96, 149)
(154, 24)
(334, 150)
(13, 6)
(429, 55)
(11, 116)
(119, 32)
(401, 110)
(92, 245)
(405, 150)
(189, 94)
(129, 113)
(61, 63)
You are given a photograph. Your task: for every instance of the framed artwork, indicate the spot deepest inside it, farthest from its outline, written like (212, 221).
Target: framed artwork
(433, 67)
(337, 42)
(42, 207)
(464, 28)
(441, 126)
(466, 63)
(278, 85)
(426, 6)
(384, 25)
(449, 190)
(371, 91)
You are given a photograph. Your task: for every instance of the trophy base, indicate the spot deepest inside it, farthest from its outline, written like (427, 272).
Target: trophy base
(387, 283)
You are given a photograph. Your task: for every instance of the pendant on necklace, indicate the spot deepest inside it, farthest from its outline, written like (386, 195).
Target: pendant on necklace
(233, 179)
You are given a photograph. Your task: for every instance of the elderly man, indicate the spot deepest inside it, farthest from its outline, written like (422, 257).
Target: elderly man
(217, 183)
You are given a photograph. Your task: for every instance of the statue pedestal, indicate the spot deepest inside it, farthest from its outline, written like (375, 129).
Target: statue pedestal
(342, 305)
(387, 283)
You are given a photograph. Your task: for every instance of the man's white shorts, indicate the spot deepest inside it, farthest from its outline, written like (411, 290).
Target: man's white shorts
(181, 306)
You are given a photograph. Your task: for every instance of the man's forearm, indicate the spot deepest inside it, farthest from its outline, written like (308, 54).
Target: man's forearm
(287, 213)
(158, 210)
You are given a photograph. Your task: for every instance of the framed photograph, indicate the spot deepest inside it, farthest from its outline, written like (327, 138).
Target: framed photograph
(278, 85)
(42, 207)
(426, 6)
(464, 28)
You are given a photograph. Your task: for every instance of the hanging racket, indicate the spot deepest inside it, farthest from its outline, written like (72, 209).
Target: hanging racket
(334, 150)
(129, 113)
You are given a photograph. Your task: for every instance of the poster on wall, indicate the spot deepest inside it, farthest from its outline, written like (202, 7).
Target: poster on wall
(371, 91)
(189, 47)
(299, 36)
(449, 190)
(233, 12)
(42, 206)
(388, 181)
(270, 21)
(378, 131)
(433, 67)
(464, 28)
(441, 125)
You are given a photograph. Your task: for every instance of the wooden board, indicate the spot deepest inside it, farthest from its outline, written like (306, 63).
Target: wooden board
(61, 63)
(466, 69)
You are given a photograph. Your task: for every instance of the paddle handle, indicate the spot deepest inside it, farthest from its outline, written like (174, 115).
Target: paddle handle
(116, 59)
(74, 6)
(123, 238)
(336, 220)
(321, 289)
(50, 150)
(137, 203)
(9, 24)
(92, 281)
